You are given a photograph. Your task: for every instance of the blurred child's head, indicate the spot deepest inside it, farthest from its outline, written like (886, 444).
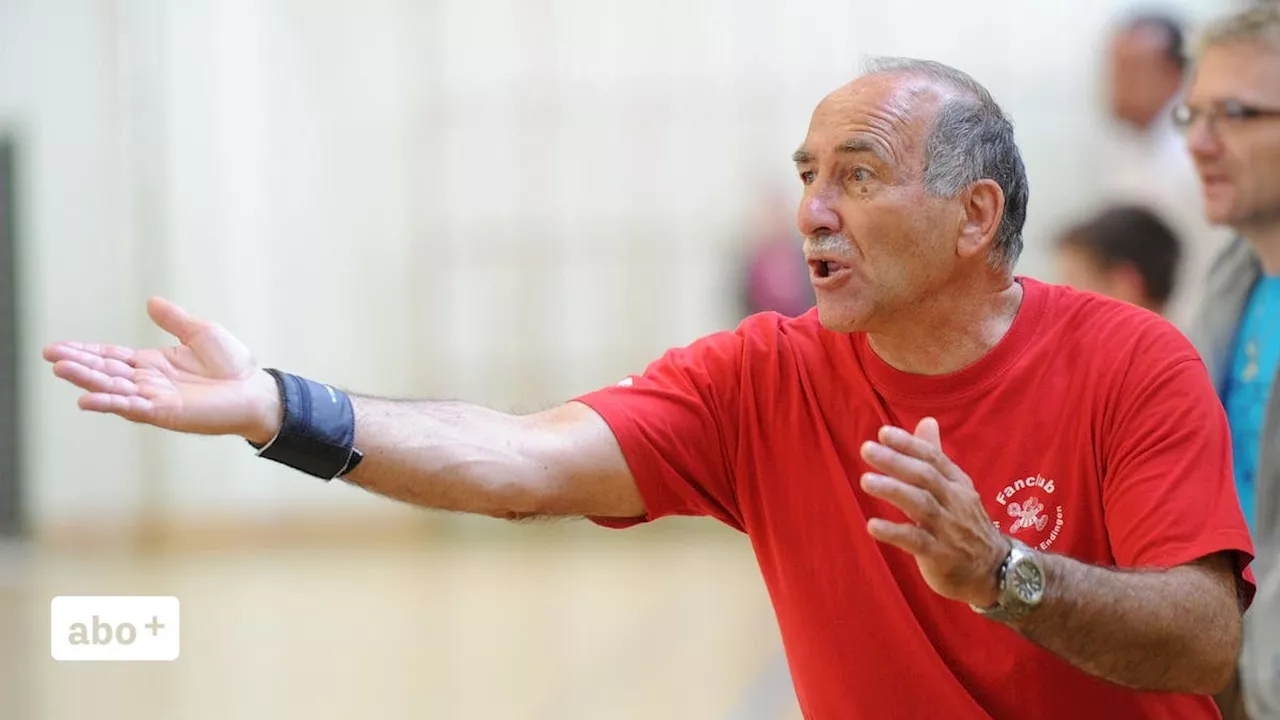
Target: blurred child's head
(1125, 252)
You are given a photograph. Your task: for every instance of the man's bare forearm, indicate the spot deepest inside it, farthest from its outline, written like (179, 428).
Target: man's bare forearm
(467, 458)
(447, 455)
(1166, 630)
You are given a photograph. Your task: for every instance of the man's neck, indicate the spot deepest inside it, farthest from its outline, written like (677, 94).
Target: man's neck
(953, 331)
(1266, 242)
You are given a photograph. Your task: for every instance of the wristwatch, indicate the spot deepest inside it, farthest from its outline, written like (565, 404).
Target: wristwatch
(1021, 583)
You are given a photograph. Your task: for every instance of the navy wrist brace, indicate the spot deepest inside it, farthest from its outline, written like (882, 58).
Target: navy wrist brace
(317, 434)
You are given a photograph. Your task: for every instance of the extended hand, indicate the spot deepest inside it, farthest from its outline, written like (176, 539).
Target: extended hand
(953, 540)
(209, 384)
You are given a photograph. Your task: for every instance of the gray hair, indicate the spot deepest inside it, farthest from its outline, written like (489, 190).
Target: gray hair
(1260, 24)
(971, 139)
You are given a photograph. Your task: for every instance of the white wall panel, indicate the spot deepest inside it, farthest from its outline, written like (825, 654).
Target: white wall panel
(506, 201)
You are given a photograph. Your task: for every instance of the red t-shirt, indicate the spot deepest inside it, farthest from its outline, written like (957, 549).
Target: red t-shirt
(1092, 426)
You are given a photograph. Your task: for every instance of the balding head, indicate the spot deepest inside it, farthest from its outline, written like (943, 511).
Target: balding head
(891, 115)
(965, 137)
(912, 183)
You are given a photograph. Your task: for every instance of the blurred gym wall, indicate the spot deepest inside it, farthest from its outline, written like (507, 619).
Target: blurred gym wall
(503, 201)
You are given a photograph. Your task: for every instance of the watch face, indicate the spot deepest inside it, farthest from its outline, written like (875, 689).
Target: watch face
(1028, 582)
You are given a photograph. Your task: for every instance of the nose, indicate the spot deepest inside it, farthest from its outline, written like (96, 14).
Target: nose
(816, 216)
(1203, 140)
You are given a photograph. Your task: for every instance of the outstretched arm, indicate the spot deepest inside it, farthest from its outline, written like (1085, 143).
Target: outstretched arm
(453, 456)
(456, 456)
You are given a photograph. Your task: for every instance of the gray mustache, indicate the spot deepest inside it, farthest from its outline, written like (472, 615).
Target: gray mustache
(828, 244)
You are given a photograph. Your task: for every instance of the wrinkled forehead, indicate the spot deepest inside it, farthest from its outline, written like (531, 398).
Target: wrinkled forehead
(891, 113)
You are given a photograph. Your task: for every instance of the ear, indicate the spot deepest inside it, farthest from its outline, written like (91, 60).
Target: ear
(983, 206)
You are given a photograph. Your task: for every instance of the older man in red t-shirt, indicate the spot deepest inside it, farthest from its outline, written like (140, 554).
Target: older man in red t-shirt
(972, 495)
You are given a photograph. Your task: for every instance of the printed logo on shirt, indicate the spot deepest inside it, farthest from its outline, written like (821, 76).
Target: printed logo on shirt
(625, 382)
(1027, 511)
(1027, 515)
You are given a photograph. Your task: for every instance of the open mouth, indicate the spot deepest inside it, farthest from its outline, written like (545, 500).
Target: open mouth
(1213, 177)
(1212, 185)
(826, 268)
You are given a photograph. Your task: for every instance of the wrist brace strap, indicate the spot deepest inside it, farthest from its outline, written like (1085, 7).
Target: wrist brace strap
(317, 435)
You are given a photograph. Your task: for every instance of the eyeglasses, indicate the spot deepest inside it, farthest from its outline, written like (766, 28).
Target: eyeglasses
(1229, 112)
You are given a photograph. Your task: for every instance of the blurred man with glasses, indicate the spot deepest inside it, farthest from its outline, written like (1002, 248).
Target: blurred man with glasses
(1231, 118)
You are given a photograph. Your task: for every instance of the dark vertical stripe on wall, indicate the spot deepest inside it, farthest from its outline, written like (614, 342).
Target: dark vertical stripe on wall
(11, 516)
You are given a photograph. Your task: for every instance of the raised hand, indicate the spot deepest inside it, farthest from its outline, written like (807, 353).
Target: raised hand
(208, 384)
(951, 536)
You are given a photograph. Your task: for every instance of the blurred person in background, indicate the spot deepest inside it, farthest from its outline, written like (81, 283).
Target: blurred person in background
(962, 486)
(1125, 252)
(1232, 124)
(1147, 162)
(776, 276)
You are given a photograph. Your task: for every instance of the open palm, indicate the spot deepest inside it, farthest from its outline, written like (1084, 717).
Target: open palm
(209, 384)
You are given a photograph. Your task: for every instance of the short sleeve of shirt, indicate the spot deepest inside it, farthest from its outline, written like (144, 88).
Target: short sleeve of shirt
(677, 425)
(1169, 493)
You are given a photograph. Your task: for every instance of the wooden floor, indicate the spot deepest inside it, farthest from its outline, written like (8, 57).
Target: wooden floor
(526, 624)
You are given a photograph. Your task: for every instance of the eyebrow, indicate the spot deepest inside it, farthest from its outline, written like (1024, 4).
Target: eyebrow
(859, 145)
(856, 145)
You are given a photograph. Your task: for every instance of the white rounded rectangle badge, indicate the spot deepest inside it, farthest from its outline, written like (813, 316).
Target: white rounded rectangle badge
(114, 628)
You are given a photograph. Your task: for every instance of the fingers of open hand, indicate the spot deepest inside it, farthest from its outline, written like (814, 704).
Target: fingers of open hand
(71, 350)
(95, 381)
(130, 407)
(915, 502)
(174, 319)
(106, 363)
(921, 449)
(913, 470)
(910, 538)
